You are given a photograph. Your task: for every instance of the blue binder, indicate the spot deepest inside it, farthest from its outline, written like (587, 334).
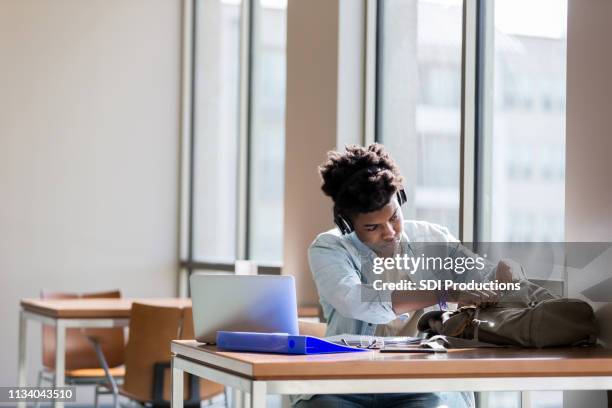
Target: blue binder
(281, 343)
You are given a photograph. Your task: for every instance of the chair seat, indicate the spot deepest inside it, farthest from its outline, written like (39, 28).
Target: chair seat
(95, 372)
(209, 389)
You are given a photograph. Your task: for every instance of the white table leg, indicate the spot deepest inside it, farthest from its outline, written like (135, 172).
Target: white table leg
(239, 398)
(525, 399)
(258, 394)
(177, 385)
(285, 401)
(60, 357)
(21, 369)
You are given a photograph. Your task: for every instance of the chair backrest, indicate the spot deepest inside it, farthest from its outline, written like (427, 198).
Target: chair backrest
(151, 330)
(208, 389)
(315, 329)
(79, 351)
(187, 331)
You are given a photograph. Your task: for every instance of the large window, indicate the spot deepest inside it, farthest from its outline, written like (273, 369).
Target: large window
(419, 102)
(238, 132)
(267, 152)
(523, 138)
(521, 110)
(521, 192)
(517, 105)
(216, 129)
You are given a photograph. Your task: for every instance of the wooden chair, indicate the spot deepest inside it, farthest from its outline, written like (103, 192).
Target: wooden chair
(147, 359)
(308, 328)
(83, 363)
(208, 389)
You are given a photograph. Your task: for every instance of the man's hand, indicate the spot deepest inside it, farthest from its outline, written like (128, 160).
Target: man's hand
(481, 298)
(503, 272)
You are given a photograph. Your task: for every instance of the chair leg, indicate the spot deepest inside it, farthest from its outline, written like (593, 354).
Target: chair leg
(112, 383)
(96, 394)
(226, 395)
(38, 384)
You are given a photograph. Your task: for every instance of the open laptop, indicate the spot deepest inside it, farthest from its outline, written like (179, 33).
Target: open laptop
(262, 303)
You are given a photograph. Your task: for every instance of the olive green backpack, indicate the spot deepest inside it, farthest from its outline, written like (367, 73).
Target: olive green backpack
(531, 317)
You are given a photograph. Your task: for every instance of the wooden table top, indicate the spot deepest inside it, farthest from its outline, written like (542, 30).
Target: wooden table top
(110, 308)
(95, 308)
(460, 363)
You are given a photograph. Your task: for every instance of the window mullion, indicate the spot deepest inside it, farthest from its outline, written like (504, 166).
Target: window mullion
(468, 121)
(187, 144)
(484, 109)
(242, 208)
(371, 61)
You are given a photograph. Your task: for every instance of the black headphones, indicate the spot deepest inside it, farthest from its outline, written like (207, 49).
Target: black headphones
(346, 226)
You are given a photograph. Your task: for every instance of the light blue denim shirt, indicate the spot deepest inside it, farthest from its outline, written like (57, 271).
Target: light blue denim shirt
(341, 266)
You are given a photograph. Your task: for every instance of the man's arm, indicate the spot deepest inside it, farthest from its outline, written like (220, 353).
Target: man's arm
(406, 301)
(339, 285)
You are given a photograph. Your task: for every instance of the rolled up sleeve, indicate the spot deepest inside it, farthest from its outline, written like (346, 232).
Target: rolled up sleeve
(445, 244)
(338, 283)
(460, 251)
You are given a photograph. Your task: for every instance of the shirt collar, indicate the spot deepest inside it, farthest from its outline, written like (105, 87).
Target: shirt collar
(362, 248)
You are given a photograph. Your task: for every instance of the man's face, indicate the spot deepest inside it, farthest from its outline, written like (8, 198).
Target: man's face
(381, 230)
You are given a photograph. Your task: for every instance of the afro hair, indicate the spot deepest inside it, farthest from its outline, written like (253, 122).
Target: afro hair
(361, 179)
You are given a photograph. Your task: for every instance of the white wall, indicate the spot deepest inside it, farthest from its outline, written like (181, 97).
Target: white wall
(588, 202)
(89, 151)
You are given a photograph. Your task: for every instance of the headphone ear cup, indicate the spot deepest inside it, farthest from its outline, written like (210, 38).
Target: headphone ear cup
(343, 224)
(401, 197)
(349, 225)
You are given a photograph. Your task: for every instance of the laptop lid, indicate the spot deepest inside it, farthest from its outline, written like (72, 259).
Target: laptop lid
(261, 303)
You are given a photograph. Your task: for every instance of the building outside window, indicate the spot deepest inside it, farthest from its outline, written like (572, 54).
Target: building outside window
(520, 154)
(419, 102)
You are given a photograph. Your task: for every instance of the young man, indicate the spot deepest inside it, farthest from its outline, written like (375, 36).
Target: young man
(366, 188)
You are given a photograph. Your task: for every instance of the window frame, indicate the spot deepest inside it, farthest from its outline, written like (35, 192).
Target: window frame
(485, 26)
(187, 261)
(468, 148)
(476, 55)
(472, 127)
